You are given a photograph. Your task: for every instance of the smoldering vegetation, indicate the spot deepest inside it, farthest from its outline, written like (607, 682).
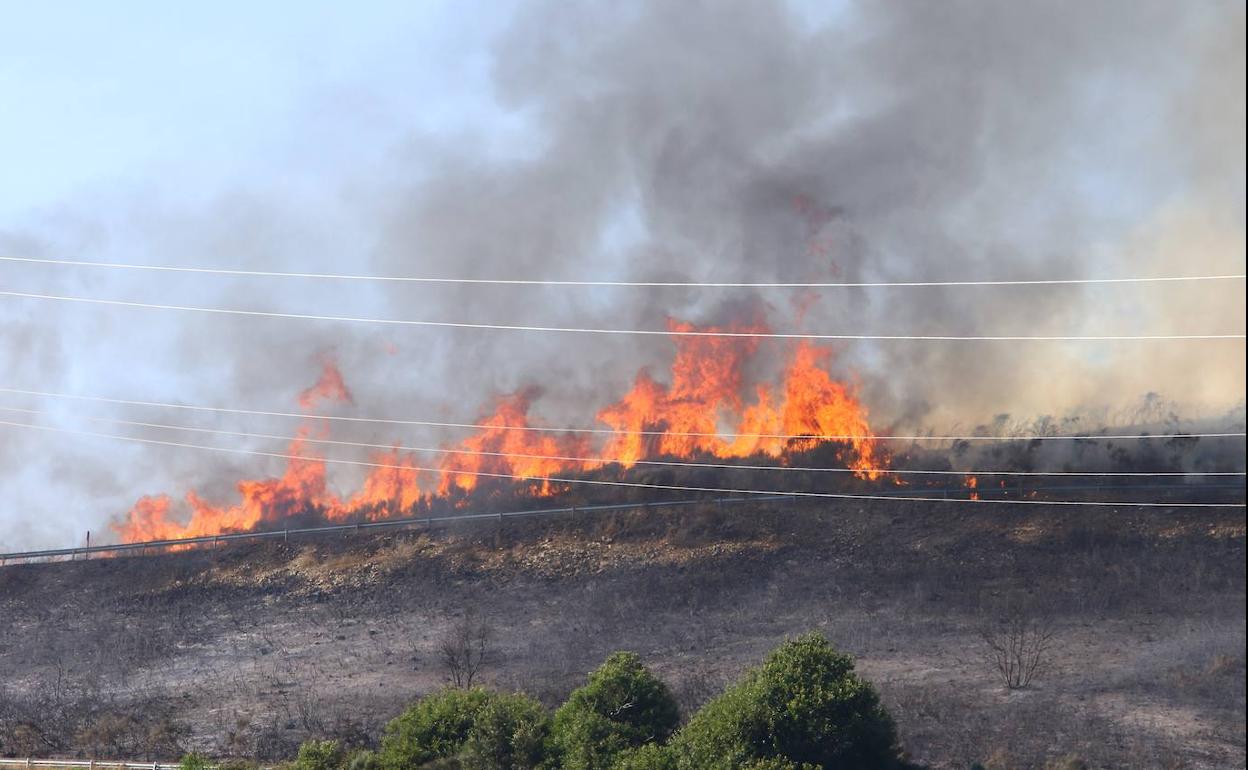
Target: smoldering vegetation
(247, 650)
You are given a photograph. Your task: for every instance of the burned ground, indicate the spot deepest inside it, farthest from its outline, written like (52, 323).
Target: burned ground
(248, 649)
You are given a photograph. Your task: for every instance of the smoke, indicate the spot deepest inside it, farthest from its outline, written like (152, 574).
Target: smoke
(726, 141)
(966, 140)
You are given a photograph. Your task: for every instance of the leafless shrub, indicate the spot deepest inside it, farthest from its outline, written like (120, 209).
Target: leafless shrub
(465, 649)
(1018, 644)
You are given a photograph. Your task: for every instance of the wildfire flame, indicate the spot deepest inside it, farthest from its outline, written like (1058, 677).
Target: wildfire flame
(972, 483)
(700, 412)
(330, 387)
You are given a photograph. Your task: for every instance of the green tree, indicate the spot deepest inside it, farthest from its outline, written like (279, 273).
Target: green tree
(622, 706)
(467, 728)
(804, 705)
(778, 763)
(652, 756)
(508, 733)
(433, 728)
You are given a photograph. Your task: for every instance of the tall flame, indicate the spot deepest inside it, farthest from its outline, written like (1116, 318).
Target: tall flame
(497, 448)
(330, 387)
(700, 412)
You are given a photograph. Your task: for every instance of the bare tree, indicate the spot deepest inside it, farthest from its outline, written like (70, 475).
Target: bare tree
(1018, 645)
(465, 649)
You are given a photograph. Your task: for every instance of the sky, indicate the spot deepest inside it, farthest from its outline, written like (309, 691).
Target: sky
(568, 140)
(102, 98)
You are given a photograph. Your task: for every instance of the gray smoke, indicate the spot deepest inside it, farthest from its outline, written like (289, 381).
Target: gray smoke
(726, 141)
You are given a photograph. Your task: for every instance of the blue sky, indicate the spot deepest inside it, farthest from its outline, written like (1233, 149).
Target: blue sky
(193, 96)
(121, 122)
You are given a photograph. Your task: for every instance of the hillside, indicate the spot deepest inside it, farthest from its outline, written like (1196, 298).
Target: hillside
(247, 649)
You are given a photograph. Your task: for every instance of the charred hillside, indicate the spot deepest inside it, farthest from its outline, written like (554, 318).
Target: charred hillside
(245, 650)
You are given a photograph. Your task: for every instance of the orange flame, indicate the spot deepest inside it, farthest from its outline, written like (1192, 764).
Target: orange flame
(518, 453)
(701, 412)
(301, 487)
(330, 387)
(972, 484)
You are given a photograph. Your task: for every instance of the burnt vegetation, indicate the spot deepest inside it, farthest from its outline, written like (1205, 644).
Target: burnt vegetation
(249, 650)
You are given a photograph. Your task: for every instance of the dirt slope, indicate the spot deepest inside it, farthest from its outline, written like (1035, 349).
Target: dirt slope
(248, 649)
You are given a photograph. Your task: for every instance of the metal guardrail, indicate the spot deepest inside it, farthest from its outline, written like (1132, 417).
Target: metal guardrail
(91, 764)
(984, 494)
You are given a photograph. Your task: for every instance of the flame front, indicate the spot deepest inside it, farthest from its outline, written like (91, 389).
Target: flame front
(501, 448)
(700, 413)
(972, 483)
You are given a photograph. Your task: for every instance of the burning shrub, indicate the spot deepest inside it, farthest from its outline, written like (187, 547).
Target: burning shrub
(509, 458)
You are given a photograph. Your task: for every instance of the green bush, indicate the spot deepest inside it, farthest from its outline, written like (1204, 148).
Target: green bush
(363, 760)
(508, 733)
(320, 755)
(804, 705)
(778, 763)
(194, 761)
(467, 728)
(622, 706)
(432, 728)
(652, 756)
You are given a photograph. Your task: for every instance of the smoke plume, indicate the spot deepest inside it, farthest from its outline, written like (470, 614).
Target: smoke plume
(691, 141)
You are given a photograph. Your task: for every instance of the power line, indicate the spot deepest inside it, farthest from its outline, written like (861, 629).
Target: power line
(603, 431)
(603, 482)
(605, 461)
(640, 332)
(618, 284)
